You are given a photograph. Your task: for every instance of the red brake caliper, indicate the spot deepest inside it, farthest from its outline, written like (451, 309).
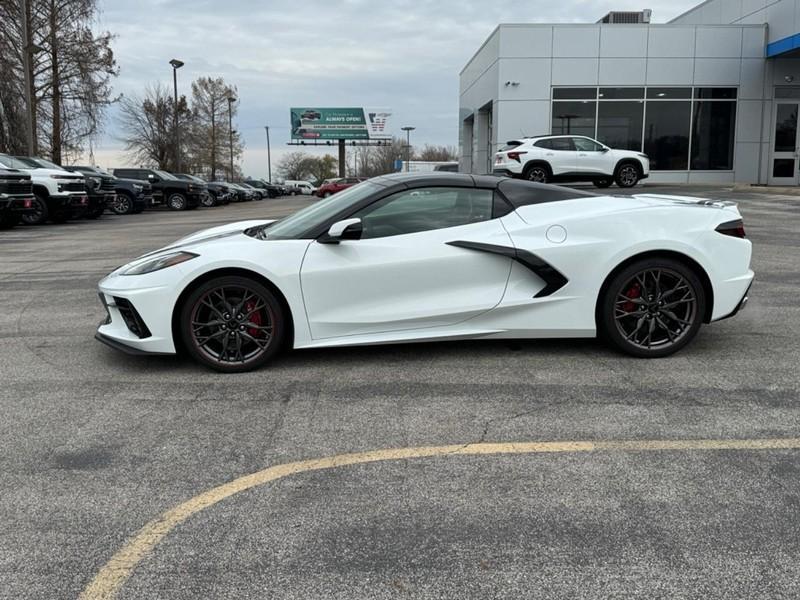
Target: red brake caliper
(255, 318)
(635, 291)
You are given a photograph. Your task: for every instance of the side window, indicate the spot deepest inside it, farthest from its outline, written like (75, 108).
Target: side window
(425, 209)
(563, 144)
(586, 145)
(546, 144)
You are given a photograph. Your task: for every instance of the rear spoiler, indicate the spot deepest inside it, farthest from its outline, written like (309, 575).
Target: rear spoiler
(690, 201)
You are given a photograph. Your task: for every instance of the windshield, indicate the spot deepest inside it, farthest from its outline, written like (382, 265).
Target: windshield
(46, 164)
(165, 175)
(294, 226)
(14, 163)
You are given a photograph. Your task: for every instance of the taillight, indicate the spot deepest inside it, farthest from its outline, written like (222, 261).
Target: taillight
(732, 228)
(515, 155)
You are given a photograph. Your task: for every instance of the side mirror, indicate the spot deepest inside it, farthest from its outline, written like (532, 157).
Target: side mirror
(348, 229)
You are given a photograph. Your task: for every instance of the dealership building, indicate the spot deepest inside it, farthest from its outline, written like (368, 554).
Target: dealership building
(711, 97)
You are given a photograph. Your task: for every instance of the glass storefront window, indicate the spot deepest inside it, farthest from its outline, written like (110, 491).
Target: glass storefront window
(574, 118)
(713, 132)
(674, 119)
(666, 133)
(619, 124)
(786, 128)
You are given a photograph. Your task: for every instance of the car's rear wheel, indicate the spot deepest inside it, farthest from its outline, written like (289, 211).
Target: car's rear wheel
(627, 175)
(537, 173)
(232, 324)
(38, 214)
(177, 201)
(652, 308)
(603, 183)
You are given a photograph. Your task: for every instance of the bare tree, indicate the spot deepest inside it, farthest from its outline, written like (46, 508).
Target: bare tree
(148, 124)
(71, 69)
(437, 154)
(210, 134)
(294, 165)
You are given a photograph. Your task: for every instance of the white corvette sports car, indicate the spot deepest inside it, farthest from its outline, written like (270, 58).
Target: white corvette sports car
(406, 258)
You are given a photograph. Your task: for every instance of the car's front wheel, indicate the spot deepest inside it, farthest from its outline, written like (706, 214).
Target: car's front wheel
(208, 200)
(177, 202)
(39, 213)
(536, 173)
(652, 308)
(627, 175)
(232, 324)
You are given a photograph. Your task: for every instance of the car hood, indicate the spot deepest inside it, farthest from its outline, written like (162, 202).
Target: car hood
(57, 172)
(220, 231)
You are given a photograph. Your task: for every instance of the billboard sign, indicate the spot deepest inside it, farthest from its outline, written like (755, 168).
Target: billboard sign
(341, 123)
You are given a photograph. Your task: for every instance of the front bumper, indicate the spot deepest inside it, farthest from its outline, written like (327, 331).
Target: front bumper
(78, 204)
(19, 205)
(153, 332)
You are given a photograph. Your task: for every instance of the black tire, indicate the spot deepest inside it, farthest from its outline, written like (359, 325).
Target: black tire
(40, 213)
(208, 200)
(177, 201)
(627, 175)
(326, 195)
(652, 308)
(8, 221)
(603, 183)
(538, 173)
(215, 301)
(123, 205)
(59, 217)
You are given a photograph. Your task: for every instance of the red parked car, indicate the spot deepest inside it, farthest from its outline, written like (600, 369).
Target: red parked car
(331, 186)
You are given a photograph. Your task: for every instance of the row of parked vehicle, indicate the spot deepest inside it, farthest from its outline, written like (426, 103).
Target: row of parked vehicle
(34, 191)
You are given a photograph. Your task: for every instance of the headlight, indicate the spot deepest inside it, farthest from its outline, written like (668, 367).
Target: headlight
(137, 187)
(162, 262)
(95, 182)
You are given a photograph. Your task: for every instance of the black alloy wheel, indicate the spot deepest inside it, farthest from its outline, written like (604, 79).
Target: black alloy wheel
(232, 324)
(208, 200)
(38, 214)
(653, 308)
(627, 175)
(537, 174)
(123, 204)
(177, 201)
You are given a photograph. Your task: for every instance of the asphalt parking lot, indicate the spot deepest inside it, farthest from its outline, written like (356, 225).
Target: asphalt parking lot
(95, 444)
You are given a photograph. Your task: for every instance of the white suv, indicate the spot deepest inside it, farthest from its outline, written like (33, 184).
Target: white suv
(553, 158)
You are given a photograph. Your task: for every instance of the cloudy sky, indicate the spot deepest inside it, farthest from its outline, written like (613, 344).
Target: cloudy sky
(401, 54)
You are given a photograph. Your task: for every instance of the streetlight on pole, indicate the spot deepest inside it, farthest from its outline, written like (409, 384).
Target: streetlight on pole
(269, 159)
(408, 131)
(176, 64)
(231, 100)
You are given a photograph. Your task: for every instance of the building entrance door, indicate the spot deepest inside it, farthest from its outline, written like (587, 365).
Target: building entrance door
(785, 156)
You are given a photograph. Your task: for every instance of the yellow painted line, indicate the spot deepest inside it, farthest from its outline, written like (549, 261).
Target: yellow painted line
(116, 572)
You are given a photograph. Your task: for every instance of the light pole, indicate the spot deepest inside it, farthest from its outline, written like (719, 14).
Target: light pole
(269, 159)
(176, 64)
(408, 131)
(231, 100)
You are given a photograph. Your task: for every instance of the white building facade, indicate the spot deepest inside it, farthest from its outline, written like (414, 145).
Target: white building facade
(711, 97)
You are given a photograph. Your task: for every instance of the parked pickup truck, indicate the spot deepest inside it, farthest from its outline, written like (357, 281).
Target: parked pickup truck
(16, 196)
(101, 187)
(167, 189)
(58, 195)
